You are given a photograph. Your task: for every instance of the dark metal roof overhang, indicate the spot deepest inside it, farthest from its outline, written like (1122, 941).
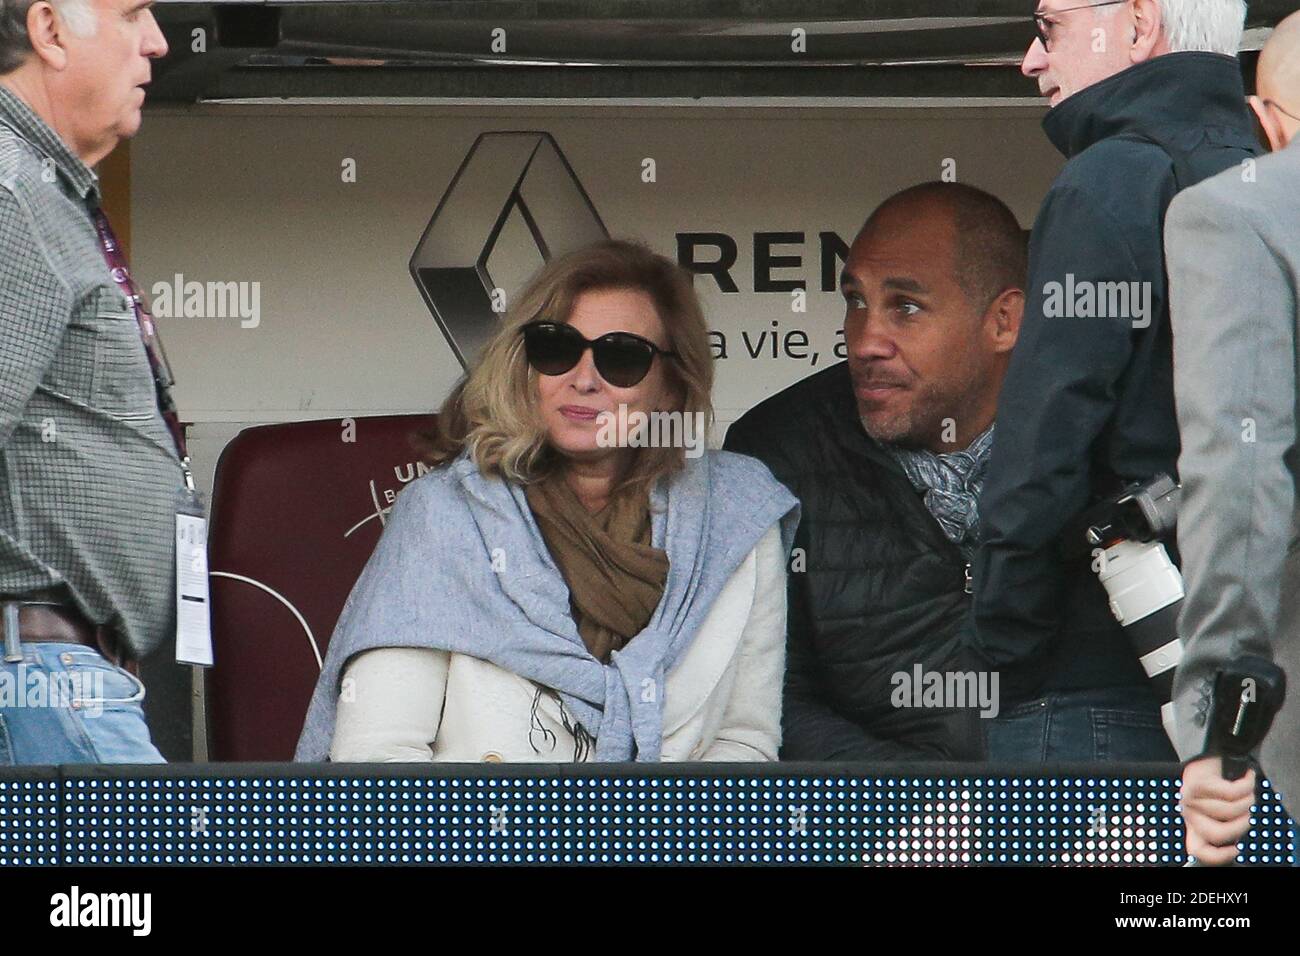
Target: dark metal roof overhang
(605, 49)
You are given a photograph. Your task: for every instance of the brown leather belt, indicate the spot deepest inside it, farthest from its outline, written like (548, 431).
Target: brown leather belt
(60, 624)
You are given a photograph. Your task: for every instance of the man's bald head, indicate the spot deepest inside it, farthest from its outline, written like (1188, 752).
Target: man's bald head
(1277, 81)
(989, 251)
(1278, 73)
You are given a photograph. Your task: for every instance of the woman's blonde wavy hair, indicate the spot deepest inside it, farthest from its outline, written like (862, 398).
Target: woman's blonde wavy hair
(493, 410)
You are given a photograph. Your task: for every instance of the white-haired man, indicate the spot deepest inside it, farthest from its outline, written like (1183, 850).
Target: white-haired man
(91, 470)
(1234, 258)
(1146, 99)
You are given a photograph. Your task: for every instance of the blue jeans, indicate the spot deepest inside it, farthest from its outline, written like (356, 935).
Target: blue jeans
(1092, 726)
(64, 703)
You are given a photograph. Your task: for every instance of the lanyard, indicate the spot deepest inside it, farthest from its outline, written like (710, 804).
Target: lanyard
(162, 374)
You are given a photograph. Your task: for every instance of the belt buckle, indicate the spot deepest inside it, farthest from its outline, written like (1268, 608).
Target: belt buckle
(9, 623)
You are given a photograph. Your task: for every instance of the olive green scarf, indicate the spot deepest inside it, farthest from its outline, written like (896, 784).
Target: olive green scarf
(615, 576)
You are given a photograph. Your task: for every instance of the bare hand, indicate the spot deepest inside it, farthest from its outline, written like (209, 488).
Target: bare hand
(1215, 811)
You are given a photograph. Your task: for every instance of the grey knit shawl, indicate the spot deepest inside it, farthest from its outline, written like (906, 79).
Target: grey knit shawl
(462, 567)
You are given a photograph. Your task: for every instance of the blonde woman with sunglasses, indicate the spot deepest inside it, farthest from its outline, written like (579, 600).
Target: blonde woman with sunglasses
(557, 589)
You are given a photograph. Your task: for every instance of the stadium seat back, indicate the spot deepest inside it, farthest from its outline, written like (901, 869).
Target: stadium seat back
(296, 511)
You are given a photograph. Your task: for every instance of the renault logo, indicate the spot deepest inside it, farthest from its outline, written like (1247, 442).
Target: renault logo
(513, 205)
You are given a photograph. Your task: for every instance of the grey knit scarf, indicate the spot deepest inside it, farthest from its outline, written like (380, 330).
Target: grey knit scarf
(462, 567)
(950, 484)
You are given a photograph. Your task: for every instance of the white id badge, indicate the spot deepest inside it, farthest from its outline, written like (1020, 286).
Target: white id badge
(193, 623)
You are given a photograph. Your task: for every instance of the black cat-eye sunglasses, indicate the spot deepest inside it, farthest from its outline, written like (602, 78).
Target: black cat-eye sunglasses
(622, 359)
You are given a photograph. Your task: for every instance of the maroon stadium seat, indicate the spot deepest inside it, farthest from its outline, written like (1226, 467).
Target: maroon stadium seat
(296, 511)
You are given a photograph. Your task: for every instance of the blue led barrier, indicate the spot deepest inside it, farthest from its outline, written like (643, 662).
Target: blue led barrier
(30, 799)
(605, 814)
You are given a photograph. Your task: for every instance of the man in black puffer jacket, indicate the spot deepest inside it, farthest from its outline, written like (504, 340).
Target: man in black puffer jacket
(1088, 403)
(886, 453)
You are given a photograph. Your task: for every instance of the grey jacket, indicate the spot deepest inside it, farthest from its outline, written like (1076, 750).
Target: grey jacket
(1233, 248)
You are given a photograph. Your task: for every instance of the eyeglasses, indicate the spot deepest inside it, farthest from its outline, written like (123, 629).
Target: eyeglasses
(622, 359)
(1041, 21)
(1281, 109)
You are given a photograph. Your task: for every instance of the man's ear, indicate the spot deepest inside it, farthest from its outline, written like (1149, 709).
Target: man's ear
(1148, 36)
(1268, 122)
(1002, 319)
(44, 29)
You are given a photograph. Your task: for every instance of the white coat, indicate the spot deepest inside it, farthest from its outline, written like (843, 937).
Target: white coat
(722, 699)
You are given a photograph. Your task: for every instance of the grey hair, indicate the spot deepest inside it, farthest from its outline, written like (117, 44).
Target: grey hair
(1210, 26)
(15, 45)
(1207, 26)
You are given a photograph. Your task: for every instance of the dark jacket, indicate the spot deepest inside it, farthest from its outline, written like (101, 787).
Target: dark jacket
(875, 587)
(1087, 405)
